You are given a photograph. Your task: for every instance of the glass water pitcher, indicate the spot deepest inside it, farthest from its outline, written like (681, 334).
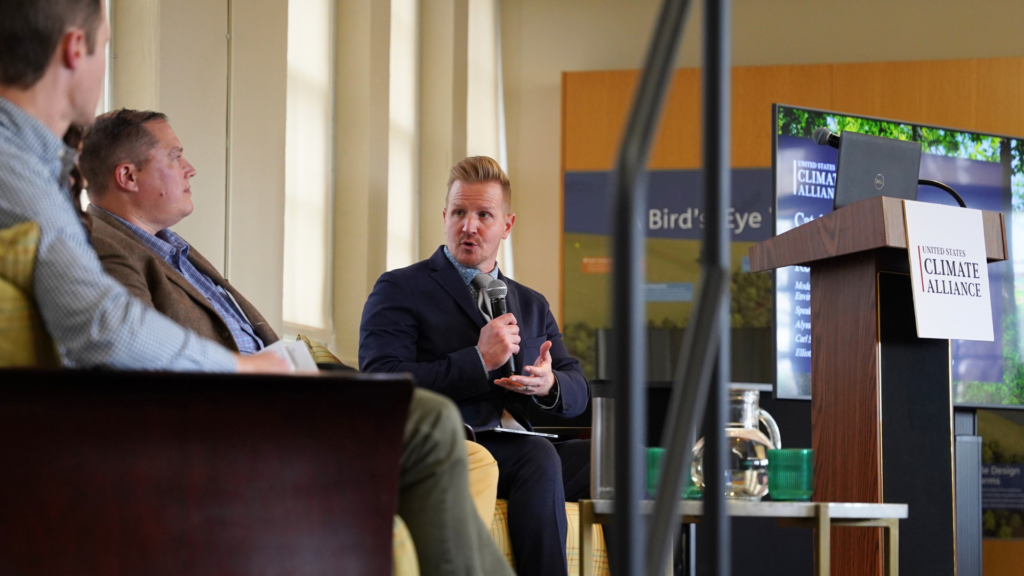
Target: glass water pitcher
(747, 475)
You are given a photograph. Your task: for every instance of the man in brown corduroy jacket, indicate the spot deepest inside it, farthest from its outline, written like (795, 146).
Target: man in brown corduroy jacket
(124, 256)
(139, 186)
(154, 281)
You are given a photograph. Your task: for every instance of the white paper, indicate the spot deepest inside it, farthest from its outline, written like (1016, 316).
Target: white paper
(296, 353)
(949, 272)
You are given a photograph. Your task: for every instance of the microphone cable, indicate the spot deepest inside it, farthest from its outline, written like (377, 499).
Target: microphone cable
(946, 187)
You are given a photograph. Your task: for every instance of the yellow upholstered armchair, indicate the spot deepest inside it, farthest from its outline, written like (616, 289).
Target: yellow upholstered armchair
(24, 341)
(599, 559)
(483, 482)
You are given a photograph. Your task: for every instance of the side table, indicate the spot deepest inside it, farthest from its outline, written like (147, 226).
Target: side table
(821, 516)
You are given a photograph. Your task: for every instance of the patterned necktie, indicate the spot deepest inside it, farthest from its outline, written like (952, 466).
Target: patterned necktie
(480, 281)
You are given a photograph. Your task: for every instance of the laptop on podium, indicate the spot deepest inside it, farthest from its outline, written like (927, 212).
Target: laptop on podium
(872, 166)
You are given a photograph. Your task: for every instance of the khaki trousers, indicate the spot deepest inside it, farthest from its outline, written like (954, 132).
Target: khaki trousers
(435, 499)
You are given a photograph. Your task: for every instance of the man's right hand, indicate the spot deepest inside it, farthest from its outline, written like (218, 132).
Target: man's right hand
(499, 340)
(262, 363)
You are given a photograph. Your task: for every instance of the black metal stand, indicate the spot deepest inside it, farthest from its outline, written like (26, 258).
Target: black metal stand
(628, 308)
(714, 532)
(705, 356)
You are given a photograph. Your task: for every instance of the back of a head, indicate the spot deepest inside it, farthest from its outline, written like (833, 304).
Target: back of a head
(477, 169)
(115, 138)
(31, 30)
(73, 139)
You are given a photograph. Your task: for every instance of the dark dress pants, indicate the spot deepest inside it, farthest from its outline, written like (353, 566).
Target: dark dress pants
(537, 477)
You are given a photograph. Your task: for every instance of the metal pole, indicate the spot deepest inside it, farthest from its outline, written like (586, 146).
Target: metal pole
(714, 533)
(629, 371)
(697, 362)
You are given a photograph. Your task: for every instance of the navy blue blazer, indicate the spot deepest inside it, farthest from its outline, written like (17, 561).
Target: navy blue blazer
(422, 319)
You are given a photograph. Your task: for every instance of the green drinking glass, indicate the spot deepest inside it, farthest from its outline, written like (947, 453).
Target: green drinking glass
(655, 457)
(791, 474)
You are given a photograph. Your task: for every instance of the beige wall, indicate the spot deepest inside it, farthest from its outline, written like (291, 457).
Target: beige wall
(135, 69)
(171, 56)
(193, 93)
(255, 204)
(543, 38)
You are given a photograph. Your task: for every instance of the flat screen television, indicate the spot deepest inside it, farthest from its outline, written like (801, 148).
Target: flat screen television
(987, 170)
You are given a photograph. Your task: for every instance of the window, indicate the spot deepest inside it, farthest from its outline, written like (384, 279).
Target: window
(308, 166)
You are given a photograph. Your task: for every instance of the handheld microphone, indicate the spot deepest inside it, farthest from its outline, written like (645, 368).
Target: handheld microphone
(496, 292)
(826, 137)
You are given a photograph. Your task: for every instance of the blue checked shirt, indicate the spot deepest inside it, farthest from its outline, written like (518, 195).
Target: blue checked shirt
(469, 273)
(174, 250)
(92, 317)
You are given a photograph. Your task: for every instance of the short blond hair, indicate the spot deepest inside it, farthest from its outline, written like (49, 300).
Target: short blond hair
(481, 169)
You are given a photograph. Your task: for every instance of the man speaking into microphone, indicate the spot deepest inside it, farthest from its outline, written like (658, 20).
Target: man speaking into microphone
(440, 319)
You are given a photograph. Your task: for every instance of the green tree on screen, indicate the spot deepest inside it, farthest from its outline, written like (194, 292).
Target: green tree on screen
(840, 124)
(1017, 170)
(938, 141)
(797, 122)
(958, 144)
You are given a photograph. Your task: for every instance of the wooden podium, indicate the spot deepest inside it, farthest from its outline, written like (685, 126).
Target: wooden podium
(881, 398)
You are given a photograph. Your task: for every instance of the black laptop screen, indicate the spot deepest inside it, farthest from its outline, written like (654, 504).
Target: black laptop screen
(871, 166)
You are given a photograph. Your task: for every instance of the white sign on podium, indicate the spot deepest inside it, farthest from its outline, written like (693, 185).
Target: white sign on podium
(948, 272)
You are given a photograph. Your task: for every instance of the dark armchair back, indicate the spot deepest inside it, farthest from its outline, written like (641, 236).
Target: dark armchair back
(110, 474)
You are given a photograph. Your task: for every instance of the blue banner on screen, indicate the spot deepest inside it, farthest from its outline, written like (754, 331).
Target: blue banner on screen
(978, 167)
(675, 204)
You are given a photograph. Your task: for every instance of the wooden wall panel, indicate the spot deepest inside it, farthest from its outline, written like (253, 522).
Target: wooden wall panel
(1000, 96)
(595, 109)
(755, 89)
(1002, 557)
(982, 95)
(595, 106)
(939, 92)
(678, 144)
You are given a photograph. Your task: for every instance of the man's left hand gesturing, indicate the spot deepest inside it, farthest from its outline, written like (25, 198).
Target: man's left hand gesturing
(537, 379)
